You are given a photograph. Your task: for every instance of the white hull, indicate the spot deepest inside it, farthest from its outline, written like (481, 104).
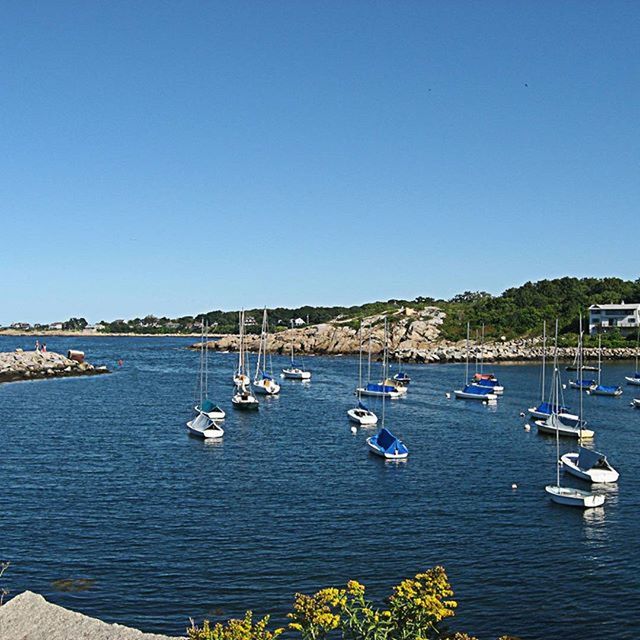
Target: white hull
(379, 394)
(573, 385)
(213, 432)
(564, 430)
(462, 395)
(266, 387)
(574, 497)
(634, 381)
(244, 401)
(241, 380)
(296, 374)
(636, 403)
(498, 390)
(383, 454)
(597, 392)
(362, 417)
(604, 476)
(566, 417)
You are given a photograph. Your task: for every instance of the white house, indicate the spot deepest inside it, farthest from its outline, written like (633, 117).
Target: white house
(605, 317)
(299, 322)
(55, 326)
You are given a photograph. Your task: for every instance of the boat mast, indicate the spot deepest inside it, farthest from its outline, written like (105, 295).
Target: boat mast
(466, 368)
(369, 356)
(291, 325)
(384, 355)
(201, 359)
(599, 359)
(544, 358)
(206, 362)
(360, 365)
(581, 389)
(555, 403)
(482, 350)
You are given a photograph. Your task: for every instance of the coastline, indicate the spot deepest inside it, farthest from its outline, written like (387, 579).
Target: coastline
(17, 366)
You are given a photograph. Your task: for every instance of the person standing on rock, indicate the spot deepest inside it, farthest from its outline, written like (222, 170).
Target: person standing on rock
(37, 346)
(44, 347)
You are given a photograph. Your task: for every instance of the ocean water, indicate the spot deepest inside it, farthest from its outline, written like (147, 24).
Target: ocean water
(101, 481)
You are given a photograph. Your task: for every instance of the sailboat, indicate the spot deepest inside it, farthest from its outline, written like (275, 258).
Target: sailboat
(386, 388)
(557, 423)
(243, 397)
(205, 405)
(601, 389)
(581, 384)
(559, 494)
(240, 376)
(202, 425)
(470, 391)
(384, 443)
(360, 414)
(401, 378)
(544, 409)
(482, 379)
(589, 465)
(264, 382)
(295, 371)
(635, 378)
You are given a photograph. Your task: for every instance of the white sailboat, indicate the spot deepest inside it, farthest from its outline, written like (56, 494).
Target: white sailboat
(589, 465)
(635, 378)
(243, 397)
(360, 414)
(482, 379)
(470, 391)
(264, 382)
(601, 389)
(295, 371)
(386, 388)
(566, 495)
(557, 423)
(211, 410)
(384, 443)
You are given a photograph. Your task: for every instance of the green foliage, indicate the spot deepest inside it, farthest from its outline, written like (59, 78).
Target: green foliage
(416, 610)
(74, 324)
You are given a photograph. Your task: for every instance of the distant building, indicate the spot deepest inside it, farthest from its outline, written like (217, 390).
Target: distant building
(55, 326)
(249, 321)
(172, 325)
(607, 317)
(299, 322)
(21, 326)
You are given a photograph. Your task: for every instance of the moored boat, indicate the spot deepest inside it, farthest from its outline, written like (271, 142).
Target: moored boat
(589, 465)
(203, 427)
(386, 445)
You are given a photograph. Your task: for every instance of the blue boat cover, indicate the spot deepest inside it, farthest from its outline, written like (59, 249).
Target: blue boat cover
(361, 406)
(400, 375)
(207, 406)
(545, 407)
(266, 377)
(389, 443)
(479, 391)
(487, 383)
(379, 387)
(606, 389)
(588, 459)
(585, 383)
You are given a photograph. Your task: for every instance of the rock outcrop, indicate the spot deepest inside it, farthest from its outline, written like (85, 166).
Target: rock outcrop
(414, 336)
(29, 616)
(33, 365)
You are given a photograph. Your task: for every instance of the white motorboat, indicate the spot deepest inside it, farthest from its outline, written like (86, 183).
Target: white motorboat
(574, 497)
(589, 465)
(203, 427)
(264, 382)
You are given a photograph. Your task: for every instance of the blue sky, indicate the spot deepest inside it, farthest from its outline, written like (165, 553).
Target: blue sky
(174, 157)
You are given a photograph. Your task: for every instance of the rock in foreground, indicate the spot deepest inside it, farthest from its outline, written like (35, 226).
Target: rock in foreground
(34, 365)
(29, 616)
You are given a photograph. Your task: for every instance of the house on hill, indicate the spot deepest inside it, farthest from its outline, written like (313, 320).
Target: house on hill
(608, 317)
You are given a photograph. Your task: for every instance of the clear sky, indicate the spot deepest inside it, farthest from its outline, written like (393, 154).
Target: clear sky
(174, 157)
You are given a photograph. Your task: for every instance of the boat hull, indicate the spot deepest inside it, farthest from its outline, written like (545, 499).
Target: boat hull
(216, 414)
(599, 476)
(610, 394)
(633, 381)
(266, 388)
(296, 374)
(375, 449)
(363, 418)
(565, 430)
(574, 497)
(463, 395)
(212, 433)
(379, 394)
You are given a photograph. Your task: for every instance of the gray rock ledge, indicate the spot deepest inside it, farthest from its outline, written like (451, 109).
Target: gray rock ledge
(34, 365)
(29, 616)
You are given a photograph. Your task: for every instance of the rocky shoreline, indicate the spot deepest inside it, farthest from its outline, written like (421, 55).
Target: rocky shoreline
(414, 336)
(29, 616)
(36, 365)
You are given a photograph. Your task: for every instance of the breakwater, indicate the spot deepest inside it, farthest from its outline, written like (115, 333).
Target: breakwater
(34, 365)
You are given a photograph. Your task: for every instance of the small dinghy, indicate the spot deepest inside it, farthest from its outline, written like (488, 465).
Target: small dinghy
(203, 427)
(472, 392)
(589, 465)
(362, 416)
(386, 445)
(212, 411)
(574, 497)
